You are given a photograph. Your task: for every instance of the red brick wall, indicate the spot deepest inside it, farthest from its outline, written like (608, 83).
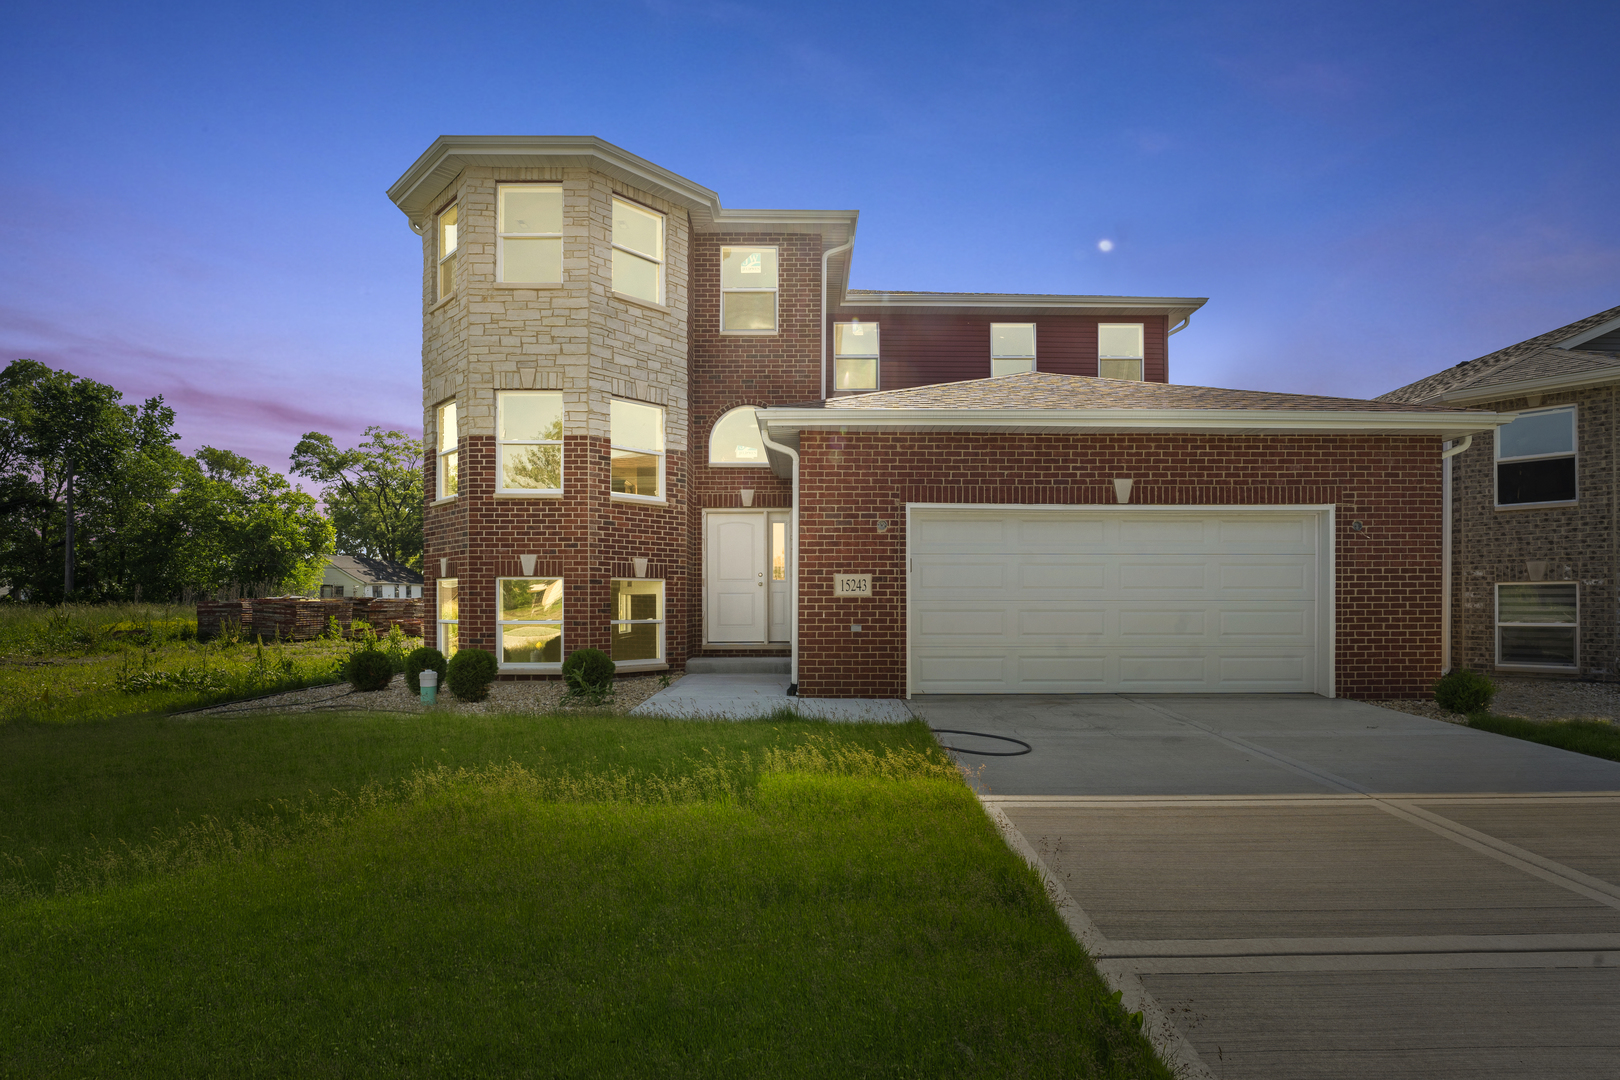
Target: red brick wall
(1388, 576)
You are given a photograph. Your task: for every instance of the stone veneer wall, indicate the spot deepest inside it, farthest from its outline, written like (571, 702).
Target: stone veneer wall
(1388, 586)
(1579, 543)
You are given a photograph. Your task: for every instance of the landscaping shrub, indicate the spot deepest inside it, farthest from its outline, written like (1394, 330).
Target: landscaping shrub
(470, 672)
(421, 660)
(1464, 692)
(589, 675)
(370, 669)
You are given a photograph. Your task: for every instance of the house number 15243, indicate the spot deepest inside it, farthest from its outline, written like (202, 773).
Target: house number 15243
(852, 585)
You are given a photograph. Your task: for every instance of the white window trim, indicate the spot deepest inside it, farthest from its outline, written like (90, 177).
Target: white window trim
(774, 290)
(501, 624)
(500, 238)
(1573, 454)
(877, 361)
(659, 261)
(442, 454)
(1141, 360)
(614, 624)
(1575, 665)
(442, 294)
(501, 445)
(663, 484)
(762, 463)
(994, 356)
(442, 643)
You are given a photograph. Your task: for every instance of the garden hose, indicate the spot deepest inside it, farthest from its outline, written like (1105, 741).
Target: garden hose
(981, 735)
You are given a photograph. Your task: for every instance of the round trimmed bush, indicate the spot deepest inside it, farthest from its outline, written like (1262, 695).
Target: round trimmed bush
(421, 660)
(1464, 692)
(370, 669)
(470, 672)
(588, 670)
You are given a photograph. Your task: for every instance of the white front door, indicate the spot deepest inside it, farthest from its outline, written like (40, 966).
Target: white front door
(734, 549)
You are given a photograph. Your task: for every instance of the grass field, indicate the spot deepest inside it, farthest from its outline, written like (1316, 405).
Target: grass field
(1599, 738)
(440, 895)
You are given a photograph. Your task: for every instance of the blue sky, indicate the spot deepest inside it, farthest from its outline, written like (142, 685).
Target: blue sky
(1366, 192)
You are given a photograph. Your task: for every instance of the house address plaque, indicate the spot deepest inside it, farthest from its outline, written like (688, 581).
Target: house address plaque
(852, 584)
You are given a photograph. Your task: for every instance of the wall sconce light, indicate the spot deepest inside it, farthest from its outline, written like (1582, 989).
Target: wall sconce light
(641, 567)
(747, 496)
(528, 564)
(1122, 491)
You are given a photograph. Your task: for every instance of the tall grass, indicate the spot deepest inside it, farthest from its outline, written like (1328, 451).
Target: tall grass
(42, 630)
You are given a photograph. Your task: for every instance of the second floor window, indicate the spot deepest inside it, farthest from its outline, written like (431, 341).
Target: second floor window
(528, 238)
(531, 452)
(1119, 351)
(1012, 348)
(855, 356)
(447, 252)
(1535, 458)
(748, 289)
(448, 435)
(637, 449)
(638, 252)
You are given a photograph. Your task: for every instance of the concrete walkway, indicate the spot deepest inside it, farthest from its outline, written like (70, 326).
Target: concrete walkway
(748, 697)
(1292, 887)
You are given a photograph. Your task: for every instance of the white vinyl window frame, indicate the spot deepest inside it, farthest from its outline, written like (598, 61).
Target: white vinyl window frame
(447, 472)
(655, 257)
(724, 432)
(1572, 455)
(847, 354)
(502, 233)
(1115, 363)
(623, 625)
(503, 444)
(618, 442)
(449, 615)
(446, 244)
(1574, 628)
(774, 289)
(502, 623)
(1004, 362)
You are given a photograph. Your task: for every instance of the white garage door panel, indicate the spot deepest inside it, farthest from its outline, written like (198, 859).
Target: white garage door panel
(1074, 601)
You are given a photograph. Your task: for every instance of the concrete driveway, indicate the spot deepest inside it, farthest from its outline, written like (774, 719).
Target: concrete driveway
(1294, 887)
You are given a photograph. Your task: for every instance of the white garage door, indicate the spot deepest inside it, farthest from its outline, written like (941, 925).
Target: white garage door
(1030, 600)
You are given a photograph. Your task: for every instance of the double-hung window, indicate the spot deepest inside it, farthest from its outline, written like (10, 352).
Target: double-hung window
(447, 252)
(637, 449)
(448, 435)
(638, 252)
(638, 619)
(736, 440)
(1537, 624)
(531, 620)
(528, 236)
(748, 290)
(449, 615)
(1535, 458)
(1119, 351)
(855, 356)
(531, 450)
(1012, 348)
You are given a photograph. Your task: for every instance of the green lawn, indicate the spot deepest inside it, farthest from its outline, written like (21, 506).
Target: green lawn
(442, 895)
(1599, 738)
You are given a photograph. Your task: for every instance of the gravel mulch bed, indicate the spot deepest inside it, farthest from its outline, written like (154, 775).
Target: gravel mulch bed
(1533, 699)
(504, 697)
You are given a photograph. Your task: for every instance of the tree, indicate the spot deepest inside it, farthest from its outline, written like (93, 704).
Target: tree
(373, 492)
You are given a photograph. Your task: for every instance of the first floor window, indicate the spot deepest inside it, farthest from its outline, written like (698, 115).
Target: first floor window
(638, 620)
(449, 616)
(449, 433)
(1535, 458)
(530, 424)
(531, 620)
(1537, 623)
(1119, 351)
(1012, 348)
(637, 452)
(748, 290)
(855, 356)
(736, 440)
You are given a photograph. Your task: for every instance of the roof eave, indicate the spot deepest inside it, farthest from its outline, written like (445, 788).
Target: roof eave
(1167, 304)
(1520, 387)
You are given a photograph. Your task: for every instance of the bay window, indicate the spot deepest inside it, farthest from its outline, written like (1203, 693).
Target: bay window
(449, 616)
(449, 479)
(447, 252)
(530, 621)
(638, 252)
(528, 233)
(529, 423)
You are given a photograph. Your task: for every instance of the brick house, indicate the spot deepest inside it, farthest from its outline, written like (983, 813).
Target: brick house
(1532, 537)
(671, 431)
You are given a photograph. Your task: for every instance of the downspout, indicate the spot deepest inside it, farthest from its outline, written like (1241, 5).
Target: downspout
(1180, 326)
(793, 588)
(1445, 551)
(821, 394)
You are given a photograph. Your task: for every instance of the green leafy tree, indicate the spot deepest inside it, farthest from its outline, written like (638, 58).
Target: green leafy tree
(373, 492)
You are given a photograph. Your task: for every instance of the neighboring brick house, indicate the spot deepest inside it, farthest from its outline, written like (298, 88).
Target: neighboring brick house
(1533, 539)
(944, 501)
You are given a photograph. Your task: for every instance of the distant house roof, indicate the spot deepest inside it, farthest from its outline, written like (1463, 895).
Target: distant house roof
(1583, 353)
(375, 571)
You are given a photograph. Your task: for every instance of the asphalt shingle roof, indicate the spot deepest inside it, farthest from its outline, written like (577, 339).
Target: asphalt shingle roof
(376, 571)
(1535, 358)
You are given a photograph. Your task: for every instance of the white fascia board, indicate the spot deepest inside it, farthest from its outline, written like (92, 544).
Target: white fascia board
(836, 225)
(784, 424)
(1028, 300)
(1519, 388)
(1587, 335)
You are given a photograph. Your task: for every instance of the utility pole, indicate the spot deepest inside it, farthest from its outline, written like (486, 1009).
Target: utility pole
(67, 546)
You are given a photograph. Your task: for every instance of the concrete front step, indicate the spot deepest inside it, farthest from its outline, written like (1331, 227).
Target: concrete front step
(738, 665)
